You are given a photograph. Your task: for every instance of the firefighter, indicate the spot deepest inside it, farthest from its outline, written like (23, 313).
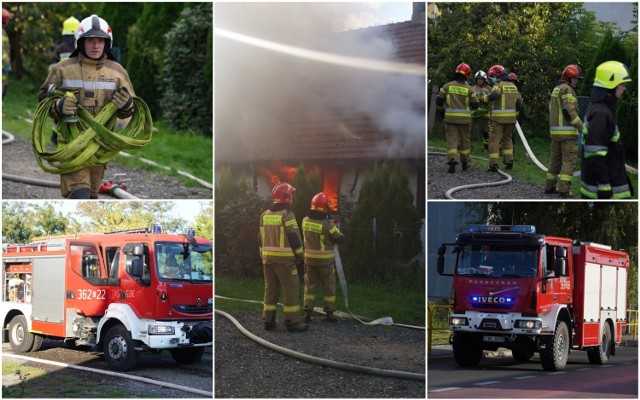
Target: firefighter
(6, 53)
(320, 234)
(454, 99)
(564, 127)
(94, 78)
(505, 106)
(64, 49)
(480, 116)
(281, 249)
(603, 166)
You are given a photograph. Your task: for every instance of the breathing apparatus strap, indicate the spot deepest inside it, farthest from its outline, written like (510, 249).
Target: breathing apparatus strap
(90, 141)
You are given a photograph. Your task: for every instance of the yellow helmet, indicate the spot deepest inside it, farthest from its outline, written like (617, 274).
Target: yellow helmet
(610, 74)
(69, 26)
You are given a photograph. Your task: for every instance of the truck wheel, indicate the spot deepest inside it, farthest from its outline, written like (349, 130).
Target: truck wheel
(119, 349)
(190, 355)
(556, 350)
(600, 355)
(19, 336)
(465, 352)
(522, 355)
(37, 342)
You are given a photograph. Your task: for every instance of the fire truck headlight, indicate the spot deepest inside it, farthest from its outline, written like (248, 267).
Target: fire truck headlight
(523, 324)
(161, 330)
(458, 321)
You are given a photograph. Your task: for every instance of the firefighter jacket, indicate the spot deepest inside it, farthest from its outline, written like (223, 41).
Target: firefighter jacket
(319, 237)
(505, 102)
(93, 82)
(603, 157)
(563, 111)
(63, 50)
(484, 109)
(458, 99)
(280, 241)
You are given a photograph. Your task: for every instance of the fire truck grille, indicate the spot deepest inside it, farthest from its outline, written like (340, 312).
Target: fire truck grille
(193, 309)
(494, 306)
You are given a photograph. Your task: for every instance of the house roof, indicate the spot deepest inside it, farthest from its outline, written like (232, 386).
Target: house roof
(323, 130)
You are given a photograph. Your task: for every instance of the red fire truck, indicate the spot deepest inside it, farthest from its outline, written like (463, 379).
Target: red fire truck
(122, 292)
(531, 293)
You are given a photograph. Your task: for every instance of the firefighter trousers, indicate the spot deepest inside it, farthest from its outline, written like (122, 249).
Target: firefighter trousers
(458, 142)
(500, 136)
(312, 276)
(281, 276)
(564, 157)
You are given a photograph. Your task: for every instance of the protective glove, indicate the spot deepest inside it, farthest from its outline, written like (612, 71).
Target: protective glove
(67, 105)
(122, 99)
(604, 191)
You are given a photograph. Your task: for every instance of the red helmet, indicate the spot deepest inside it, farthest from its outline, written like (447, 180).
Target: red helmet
(497, 71)
(320, 202)
(463, 69)
(571, 71)
(6, 15)
(513, 77)
(282, 193)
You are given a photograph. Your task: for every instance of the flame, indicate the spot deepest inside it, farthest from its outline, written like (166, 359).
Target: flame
(330, 186)
(279, 173)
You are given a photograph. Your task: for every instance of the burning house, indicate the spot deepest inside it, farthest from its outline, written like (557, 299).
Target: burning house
(276, 111)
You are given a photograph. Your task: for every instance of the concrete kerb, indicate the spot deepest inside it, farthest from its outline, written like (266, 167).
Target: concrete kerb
(442, 353)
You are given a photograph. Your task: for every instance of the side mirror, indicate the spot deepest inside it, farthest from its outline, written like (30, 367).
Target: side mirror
(560, 267)
(138, 250)
(440, 262)
(561, 252)
(137, 268)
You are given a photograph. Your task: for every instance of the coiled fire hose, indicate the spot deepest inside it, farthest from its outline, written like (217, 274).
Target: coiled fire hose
(90, 141)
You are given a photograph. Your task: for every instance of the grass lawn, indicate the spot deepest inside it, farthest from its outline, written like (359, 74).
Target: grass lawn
(179, 150)
(524, 168)
(373, 300)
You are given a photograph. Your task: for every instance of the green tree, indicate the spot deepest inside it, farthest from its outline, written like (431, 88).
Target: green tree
(383, 235)
(121, 17)
(109, 216)
(187, 78)
(237, 216)
(16, 226)
(146, 45)
(48, 221)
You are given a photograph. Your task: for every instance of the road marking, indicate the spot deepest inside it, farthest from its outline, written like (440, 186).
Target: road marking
(526, 377)
(584, 369)
(606, 365)
(486, 383)
(443, 389)
(556, 373)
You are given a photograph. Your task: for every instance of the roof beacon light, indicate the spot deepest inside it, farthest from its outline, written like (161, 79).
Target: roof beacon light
(191, 231)
(503, 228)
(156, 228)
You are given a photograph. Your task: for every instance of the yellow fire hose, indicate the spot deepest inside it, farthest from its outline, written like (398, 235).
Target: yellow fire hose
(90, 141)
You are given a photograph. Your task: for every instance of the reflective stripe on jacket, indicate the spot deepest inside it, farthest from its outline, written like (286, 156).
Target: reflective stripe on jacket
(504, 107)
(484, 109)
(564, 98)
(275, 246)
(319, 237)
(457, 98)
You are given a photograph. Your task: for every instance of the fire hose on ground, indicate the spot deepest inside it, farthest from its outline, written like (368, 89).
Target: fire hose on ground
(508, 177)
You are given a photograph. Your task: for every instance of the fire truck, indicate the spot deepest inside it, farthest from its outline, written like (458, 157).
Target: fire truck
(531, 293)
(122, 293)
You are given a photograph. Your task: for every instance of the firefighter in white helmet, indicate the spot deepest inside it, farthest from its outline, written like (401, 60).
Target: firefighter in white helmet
(480, 116)
(281, 249)
(319, 262)
(95, 79)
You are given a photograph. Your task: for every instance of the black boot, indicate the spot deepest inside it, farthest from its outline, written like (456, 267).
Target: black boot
(307, 314)
(452, 166)
(465, 165)
(299, 327)
(331, 317)
(270, 324)
(82, 193)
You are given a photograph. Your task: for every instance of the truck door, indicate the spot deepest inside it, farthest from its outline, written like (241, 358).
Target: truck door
(87, 283)
(555, 288)
(137, 291)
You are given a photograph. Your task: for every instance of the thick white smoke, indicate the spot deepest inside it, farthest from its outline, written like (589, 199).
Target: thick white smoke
(258, 91)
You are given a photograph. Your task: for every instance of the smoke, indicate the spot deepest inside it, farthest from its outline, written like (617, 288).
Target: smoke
(261, 95)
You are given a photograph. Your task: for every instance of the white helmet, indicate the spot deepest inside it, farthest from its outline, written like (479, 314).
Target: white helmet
(481, 74)
(94, 26)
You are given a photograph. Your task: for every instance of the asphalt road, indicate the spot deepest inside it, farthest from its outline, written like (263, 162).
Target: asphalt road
(502, 377)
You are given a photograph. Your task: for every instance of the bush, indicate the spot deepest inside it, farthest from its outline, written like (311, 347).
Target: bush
(187, 103)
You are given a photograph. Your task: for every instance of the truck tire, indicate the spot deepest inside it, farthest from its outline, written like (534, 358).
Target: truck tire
(465, 351)
(19, 336)
(556, 351)
(522, 355)
(119, 349)
(188, 355)
(600, 355)
(37, 342)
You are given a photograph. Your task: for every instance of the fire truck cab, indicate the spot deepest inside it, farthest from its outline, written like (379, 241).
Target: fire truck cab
(122, 292)
(532, 293)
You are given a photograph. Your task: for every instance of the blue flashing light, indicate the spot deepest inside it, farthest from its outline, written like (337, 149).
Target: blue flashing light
(503, 228)
(474, 298)
(156, 229)
(191, 231)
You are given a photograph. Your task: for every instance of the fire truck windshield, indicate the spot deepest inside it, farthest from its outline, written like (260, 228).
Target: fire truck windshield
(498, 261)
(176, 261)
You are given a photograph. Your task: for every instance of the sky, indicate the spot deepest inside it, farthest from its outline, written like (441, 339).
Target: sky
(622, 13)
